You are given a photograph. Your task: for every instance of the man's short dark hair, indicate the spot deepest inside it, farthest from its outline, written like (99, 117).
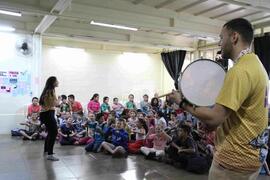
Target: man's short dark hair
(105, 98)
(145, 95)
(63, 97)
(243, 27)
(34, 98)
(71, 96)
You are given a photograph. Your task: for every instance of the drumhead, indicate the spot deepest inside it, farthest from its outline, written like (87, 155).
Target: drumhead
(201, 82)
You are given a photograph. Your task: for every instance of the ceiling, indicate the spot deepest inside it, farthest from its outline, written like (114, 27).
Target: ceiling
(161, 23)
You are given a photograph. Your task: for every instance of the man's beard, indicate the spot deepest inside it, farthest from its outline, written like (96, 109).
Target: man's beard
(226, 52)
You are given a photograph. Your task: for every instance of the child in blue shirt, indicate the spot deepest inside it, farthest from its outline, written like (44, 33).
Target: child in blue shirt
(68, 133)
(119, 144)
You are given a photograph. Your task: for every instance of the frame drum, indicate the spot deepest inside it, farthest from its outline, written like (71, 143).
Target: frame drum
(201, 82)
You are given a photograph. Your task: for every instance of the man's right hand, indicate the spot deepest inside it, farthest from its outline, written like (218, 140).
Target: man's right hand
(175, 97)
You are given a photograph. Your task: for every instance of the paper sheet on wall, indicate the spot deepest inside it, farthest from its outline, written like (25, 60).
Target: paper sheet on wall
(15, 83)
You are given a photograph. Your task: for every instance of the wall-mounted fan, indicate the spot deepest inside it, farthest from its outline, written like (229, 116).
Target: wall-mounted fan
(24, 46)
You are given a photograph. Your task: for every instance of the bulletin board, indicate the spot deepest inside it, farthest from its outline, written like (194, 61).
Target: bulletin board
(15, 83)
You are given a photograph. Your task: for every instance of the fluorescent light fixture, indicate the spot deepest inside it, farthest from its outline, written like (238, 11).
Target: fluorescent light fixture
(69, 48)
(113, 26)
(10, 13)
(210, 39)
(7, 28)
(186, 35)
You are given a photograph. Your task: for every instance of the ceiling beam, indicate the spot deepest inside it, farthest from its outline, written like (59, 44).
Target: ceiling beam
(45, 23)
(250, 14)
(144, 17)
(261, 18)
(137, 1)
(48, 20)
(210, 9)
(239, 3)
(190, 5)
(142, 38)
(248, 5)
(226, 13)
(125, 13)
(24, 9)
(165, 3)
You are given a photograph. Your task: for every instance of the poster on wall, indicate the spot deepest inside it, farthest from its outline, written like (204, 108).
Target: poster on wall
(15, 83)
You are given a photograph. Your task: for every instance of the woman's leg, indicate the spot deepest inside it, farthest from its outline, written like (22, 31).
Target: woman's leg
(46, 143)
(43, 118)
(52, 130)
(51, 126)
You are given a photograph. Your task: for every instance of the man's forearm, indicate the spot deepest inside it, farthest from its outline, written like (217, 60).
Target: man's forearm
(204, 114)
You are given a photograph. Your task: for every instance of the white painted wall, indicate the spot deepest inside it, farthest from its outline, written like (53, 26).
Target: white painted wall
(112, 74)
(13, 107)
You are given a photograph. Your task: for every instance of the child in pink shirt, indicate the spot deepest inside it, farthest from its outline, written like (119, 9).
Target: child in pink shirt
(160, 138)
(94, 105)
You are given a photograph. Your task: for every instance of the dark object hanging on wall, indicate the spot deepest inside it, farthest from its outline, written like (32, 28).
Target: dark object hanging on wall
(173, 62)
(24, 46)
(262, 49)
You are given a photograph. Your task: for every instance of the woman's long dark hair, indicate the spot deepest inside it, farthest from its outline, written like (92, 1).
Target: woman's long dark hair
(153, 104)
(144, 125)
(48, 89)
(94, 96)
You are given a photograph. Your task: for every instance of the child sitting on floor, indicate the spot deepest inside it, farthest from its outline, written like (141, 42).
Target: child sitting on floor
(88, 133)
(117, 107)
(160, 121)
(67, 133)
(33, 125)
(119, 143)
(140, 132)
(182, 147)
(33, 108)
(132, 123)
(130, 104)
(99, 133)
(64, 106)
(62, 120)
(160, 138)
(173, 121)
(98, 138)
(132, 120)
(150, 121)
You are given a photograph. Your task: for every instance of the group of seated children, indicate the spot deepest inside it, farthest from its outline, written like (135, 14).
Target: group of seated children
(159, 131)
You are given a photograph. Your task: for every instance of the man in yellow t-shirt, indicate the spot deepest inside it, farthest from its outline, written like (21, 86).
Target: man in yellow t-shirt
(240, 115)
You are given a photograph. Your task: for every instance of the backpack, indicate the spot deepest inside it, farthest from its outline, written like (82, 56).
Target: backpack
(16, 132)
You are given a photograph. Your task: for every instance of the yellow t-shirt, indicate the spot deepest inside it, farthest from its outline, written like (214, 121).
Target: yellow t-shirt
(49, 101)
(245, 93)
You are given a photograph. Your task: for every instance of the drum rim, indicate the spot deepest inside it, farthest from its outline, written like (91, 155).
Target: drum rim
(181, 75)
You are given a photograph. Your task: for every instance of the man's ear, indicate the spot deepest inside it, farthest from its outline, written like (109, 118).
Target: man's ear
(234, 37)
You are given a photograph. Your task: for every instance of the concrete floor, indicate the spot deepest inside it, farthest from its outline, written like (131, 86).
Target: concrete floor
(23, 160)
